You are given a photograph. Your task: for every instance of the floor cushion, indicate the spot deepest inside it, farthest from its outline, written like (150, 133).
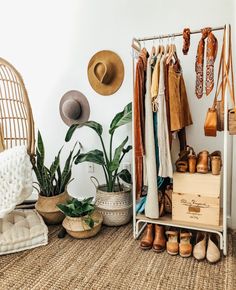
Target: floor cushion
(21, 230)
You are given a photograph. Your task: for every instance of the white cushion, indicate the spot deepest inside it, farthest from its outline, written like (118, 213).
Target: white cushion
(15, 178)
(21, 230)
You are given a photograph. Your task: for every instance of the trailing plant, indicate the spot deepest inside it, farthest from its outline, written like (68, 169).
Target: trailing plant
(109, 160)
(52, 180)
(76, 208)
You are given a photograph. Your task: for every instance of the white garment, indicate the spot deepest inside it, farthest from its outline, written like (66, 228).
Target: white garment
(165, 166)
(15, 178)
(151, 206)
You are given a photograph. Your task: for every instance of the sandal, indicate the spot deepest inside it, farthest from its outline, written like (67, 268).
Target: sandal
(192, 161)
(182, 162)
(172, 245)
(185, 247)
(216, 162)
(203, 162)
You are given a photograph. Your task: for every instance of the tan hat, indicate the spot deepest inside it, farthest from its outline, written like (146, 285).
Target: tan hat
(105, 72)
(74, 108)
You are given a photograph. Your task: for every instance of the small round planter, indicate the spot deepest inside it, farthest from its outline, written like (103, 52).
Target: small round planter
(116, 207)
(47, 207)
(77, 228)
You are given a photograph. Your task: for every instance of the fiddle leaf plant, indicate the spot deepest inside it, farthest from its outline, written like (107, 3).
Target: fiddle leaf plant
(52, 180)
(77, 208)
(110, 160)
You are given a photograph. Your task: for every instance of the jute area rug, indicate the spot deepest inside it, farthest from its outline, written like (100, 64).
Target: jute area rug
(111, 260)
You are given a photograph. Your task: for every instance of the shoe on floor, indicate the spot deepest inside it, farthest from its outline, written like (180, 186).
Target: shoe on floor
(199, 250)
(213, 252)
(147, 240)
(159, 243)
(185, 246)
(172, 245)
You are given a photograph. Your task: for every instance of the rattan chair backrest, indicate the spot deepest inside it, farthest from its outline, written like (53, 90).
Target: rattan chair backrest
(16, 118)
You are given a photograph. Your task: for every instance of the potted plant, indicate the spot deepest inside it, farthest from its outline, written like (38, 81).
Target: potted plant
(82, 220)
(52, 183)
(113, 199)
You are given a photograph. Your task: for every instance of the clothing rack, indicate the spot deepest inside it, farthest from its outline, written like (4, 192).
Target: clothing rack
(139, 220)
(175, 34)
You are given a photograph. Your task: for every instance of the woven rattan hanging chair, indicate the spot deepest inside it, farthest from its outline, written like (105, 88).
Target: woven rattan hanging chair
(16, 119)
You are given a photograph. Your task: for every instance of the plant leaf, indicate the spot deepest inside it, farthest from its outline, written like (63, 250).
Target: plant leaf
(95, 156)
(121, 118)
(127, 149)
(115, 163)
(71, 131)
(125, 176)
(55, 164)
(95, 126)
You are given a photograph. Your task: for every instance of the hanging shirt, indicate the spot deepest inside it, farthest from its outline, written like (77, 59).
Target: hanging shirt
(165, 167)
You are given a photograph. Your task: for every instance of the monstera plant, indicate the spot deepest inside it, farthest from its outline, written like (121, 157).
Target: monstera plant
(116, 207)
(110, 159)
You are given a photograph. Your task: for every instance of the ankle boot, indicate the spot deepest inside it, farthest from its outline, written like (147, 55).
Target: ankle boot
(203, 162)
(216, 162)
(199, 250)
(213, 249)
(159, 243)
(147, 240)
(185, 246)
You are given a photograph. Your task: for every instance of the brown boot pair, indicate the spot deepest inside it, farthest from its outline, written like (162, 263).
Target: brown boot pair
(208, 162)
(154, 237)
(182, 246)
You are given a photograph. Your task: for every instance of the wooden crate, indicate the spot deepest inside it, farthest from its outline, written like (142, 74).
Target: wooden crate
(196, 198)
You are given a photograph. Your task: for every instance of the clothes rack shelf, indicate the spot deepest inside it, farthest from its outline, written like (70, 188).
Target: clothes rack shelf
(139, 220)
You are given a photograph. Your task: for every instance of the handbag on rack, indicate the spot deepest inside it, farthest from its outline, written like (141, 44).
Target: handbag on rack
(210, 126)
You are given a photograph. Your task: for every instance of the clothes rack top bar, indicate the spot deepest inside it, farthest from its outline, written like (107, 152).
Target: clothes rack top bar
(175, 34)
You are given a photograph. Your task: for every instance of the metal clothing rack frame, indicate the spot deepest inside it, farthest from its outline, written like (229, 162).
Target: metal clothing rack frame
(140, 221)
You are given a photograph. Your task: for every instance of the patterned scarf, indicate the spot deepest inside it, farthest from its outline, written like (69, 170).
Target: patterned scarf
(212, 46)
(186, 40)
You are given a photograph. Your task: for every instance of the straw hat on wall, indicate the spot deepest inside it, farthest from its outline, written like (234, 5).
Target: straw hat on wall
(74, 108)
(105, 72)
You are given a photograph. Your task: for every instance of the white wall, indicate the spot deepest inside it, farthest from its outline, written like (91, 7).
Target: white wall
(51, 43)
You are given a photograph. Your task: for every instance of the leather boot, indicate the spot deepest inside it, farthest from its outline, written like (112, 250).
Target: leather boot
(203, 162)
(147, 240)
(199, 250)
(185, 246)
(213, 249)
(216, 162)
(159, 243)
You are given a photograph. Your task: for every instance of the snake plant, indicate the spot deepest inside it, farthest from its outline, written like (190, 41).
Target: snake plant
(52, 180)
(77, 208)
(109, 160)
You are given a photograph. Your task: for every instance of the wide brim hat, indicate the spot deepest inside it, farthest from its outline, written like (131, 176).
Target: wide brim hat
(105, 72)
(74, 108)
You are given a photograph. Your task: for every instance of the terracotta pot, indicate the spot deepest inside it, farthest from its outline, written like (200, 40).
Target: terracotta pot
(77, 228)
(47, 207)
(116, 207)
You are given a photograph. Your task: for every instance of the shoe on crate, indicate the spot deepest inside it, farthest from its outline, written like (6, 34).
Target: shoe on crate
(172, 245)
(192, 161)
(182, 162)
(185, 246)
(213, 252)
(216, 162)
(148, 237)
(203, 162)
(199, 250)
(159, 243)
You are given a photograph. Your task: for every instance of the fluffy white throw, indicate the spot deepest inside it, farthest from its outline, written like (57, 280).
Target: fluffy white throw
(15, 178)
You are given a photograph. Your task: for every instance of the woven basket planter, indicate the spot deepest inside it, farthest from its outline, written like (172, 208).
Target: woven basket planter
(116, 207)
(47, 207)
(77, 228)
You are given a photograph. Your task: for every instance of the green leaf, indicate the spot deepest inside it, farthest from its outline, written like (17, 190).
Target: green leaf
(64, 208)
(127, 149)
(121, 118)
(55, 164)
(95, 156)
(125, 176)
(40, 145)
(115, 163)
(89, 221)
(95, 126)
(71, 131)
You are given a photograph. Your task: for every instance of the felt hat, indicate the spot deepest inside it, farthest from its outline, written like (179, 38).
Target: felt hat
(105, 72)
(74, 108)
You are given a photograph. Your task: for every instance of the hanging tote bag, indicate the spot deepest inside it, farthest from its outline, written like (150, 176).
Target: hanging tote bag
(215, 115)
